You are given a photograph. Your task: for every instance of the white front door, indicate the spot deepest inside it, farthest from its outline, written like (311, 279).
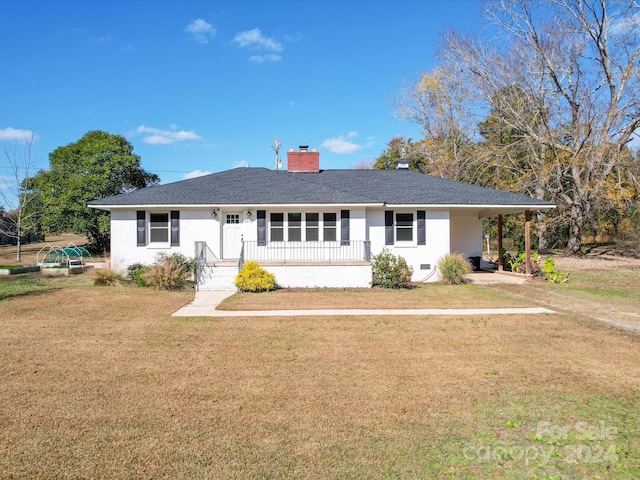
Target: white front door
(231, 235)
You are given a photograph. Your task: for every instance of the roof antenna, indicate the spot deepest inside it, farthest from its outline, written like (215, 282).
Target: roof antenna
(276, 146)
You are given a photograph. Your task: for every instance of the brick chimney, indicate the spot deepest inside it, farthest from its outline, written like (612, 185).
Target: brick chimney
(304, 160)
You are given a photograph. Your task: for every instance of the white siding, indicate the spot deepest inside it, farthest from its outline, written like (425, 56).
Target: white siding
(195, 225)
(456, 231)
(330, 276)
(466, 233)
(437, 241)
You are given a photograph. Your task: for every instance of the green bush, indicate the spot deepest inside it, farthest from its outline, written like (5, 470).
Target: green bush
(138, 278)
(551, 274)
(135, 272)
(390, 271)
(105, 277)
(518, 264)
(453, 268)
(253, 278)
(133, 269)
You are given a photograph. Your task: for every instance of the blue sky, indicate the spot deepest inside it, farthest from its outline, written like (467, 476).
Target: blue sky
(208, 86)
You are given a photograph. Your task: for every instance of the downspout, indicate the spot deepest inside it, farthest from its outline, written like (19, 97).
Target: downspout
(241, 256)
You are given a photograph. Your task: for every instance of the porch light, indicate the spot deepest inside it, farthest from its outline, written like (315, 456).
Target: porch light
(214, 212)
(248, 214)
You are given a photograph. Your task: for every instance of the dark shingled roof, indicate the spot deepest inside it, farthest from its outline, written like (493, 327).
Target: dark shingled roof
(256, 186)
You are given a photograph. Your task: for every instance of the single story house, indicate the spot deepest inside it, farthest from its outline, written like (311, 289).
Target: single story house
(308, 226)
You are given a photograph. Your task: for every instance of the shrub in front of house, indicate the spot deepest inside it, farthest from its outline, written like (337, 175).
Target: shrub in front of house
(254, 278)
(453, 269)
(190, 264)
(390, 271)
(105, 277)
(169, 272)
(135, 273)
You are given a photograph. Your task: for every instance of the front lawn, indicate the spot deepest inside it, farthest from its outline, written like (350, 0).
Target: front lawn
(424, 296)
(104, 383)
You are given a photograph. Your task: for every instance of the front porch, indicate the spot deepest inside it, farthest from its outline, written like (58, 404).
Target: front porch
(313, 264)
(314, 253)
(294, 264)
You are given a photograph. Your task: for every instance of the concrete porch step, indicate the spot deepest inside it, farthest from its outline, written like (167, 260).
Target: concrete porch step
(217, 277)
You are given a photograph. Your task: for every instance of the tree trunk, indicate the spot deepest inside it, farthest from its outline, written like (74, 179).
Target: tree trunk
(543, 244)
(18, 234)
(576, 223)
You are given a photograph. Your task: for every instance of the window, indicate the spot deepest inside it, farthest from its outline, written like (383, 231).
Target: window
(312, 222)
(299, 227)
(232, 218)
(295, 226)
(141, 234)
(158, 228)
(329, 230)
(404, 227)
(277, 227)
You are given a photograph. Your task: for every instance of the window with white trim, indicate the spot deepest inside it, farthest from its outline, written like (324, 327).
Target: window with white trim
(294, 227)
(158, 228)
(404, 227)
(329, 226)
(312, 224)
(303, 227)
(276, 230)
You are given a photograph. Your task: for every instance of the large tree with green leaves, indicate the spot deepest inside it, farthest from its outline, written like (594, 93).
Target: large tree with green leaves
(96, 166)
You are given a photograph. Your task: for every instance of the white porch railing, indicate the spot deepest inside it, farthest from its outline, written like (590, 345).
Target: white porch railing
(284, 252)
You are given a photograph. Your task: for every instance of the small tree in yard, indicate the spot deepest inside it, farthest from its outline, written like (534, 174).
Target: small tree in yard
(390, 271)
(21, 217)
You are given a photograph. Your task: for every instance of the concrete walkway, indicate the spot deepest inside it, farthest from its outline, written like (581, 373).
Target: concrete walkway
(205, 303)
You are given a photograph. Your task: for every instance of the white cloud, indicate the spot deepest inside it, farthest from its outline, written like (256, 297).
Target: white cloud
(241, 164)
(265, 58)
(156, 136)
(202, 31)
(195, 173)
(256, 40)
(342, 144)
(16, 134)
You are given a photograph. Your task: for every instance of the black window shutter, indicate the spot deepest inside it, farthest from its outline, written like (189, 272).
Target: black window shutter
(344, 227)
(422, 233)
(141, 216)
(175, 228)
(262, 228)
(388, 227)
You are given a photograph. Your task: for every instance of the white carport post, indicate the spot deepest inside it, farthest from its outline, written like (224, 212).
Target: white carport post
(527, 242)
(500, 260)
